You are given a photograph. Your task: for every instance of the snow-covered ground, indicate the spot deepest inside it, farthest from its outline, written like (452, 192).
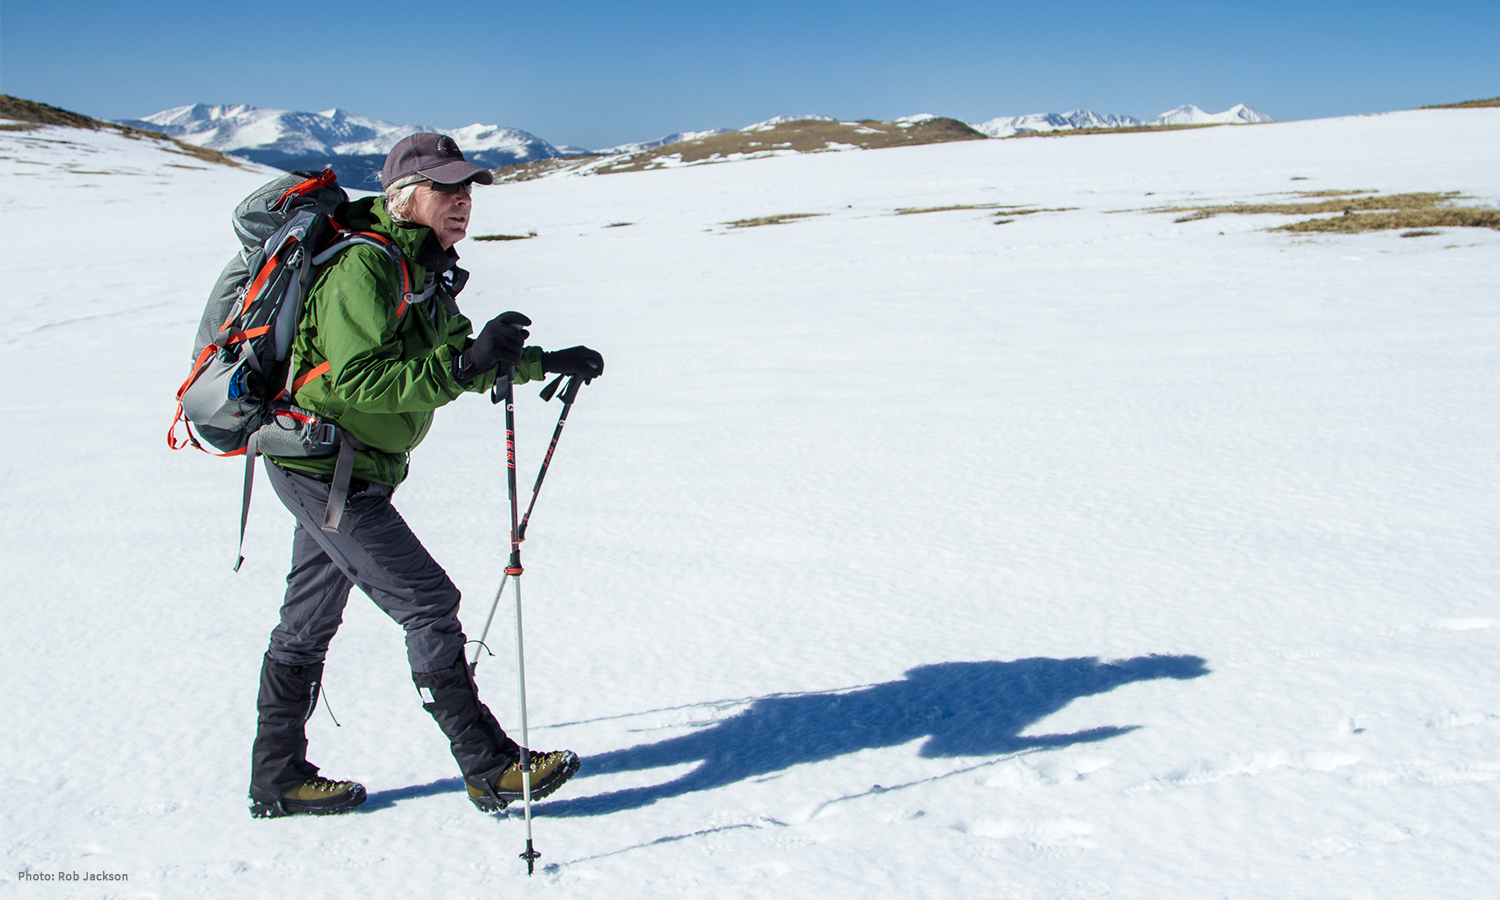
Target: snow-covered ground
(1091, 555)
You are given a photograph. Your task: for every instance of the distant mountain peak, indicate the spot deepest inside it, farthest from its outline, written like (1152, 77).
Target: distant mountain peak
(1187, 114)
(781, 120)
(354, 145)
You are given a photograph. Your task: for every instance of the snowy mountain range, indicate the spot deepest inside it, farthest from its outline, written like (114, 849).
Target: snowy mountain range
(356, 145)
(678, 137)
(1005, 126)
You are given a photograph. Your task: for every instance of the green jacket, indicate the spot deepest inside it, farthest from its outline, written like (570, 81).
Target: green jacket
(385, 376)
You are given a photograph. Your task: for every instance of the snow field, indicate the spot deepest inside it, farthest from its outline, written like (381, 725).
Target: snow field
(1090, 555)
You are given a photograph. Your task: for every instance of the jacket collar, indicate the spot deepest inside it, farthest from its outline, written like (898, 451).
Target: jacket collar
(432, 256)
(418, 242)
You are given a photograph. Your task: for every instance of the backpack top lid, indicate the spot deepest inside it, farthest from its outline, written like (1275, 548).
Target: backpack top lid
(259, 215)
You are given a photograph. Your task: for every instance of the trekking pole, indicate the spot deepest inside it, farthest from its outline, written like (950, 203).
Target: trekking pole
(569, 394)
(514, 570)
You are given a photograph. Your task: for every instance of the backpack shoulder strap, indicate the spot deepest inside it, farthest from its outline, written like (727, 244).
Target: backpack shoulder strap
(343, 240)
(346, 239)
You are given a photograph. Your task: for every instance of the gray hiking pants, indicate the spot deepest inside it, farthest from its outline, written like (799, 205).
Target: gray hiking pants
(373, 549)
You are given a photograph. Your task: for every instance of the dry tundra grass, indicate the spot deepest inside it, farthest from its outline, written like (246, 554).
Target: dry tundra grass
(1468, 104)
(771, 220)
(504, 237)
(1448, 217)
(918, 210)
(1004, 210)
(1361, 211)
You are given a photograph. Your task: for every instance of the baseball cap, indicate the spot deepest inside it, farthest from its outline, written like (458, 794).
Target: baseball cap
(433, 156)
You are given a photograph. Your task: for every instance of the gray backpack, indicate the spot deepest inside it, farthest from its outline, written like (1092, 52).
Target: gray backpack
(237, 398)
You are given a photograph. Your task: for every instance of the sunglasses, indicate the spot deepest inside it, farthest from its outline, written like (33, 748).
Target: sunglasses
(441, 188)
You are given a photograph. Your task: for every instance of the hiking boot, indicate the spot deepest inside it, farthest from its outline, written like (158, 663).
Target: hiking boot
(548, 773)
(313, 797)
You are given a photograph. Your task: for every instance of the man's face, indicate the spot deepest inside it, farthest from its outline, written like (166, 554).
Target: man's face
(446, 214)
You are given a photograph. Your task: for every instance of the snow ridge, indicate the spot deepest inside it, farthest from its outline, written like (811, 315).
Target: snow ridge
(1005, 126)
(663, 141)
(768, 124)
(1239, 114)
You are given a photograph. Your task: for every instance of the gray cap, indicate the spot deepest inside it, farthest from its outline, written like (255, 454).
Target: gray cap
(433, 156)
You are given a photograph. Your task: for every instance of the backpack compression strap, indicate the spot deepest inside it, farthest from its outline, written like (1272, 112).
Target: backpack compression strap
(338, 490)
(343, 474)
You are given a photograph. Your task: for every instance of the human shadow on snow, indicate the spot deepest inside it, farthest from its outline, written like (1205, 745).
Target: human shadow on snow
(385, 799)
(962, 708)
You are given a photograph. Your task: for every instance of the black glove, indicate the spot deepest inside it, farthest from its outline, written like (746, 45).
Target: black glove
(498, 346)
(580, 361)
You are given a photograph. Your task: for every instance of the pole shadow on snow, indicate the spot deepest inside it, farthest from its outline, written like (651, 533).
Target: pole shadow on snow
(962, 708)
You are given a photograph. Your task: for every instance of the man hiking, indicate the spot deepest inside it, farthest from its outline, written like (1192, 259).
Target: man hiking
(380, 371)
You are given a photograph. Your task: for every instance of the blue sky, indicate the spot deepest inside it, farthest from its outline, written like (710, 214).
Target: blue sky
(596, 74)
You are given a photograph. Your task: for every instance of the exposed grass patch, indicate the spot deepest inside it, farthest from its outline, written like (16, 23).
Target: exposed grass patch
(505, 237)
(1018, 211)
(1467, 104)
(1421, 233)
(918, 210)
(1003, 210)
(771, 220)
(962, 206)
(1362, 210)
(1451, 217)
(540, 168)
(192, 150)
(1315, 202)
(1335, 193)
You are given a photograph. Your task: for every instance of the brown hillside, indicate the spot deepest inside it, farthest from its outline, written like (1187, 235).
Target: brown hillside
(808, 136)
(1468, 104)
(35, 115)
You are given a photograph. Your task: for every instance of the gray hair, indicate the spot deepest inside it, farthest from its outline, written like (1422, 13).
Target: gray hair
(398, 195)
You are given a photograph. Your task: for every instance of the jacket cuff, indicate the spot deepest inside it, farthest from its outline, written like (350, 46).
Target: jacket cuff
(464, 375)
(461, 369)
(530, 368)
